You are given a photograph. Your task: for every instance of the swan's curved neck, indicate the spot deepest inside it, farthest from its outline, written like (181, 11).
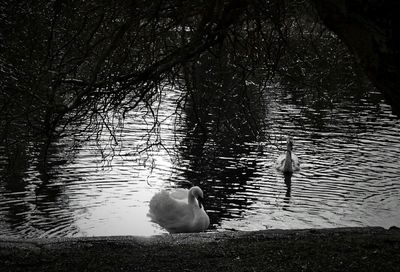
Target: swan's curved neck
(191, 199)
(195, 196)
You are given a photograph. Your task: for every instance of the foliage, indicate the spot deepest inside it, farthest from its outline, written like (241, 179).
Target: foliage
(66, 60)
(95, 62)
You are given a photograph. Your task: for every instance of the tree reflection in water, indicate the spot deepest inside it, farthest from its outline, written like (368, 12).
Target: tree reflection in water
(223, 114)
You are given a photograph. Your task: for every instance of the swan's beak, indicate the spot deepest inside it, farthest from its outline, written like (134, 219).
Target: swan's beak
(200, 200)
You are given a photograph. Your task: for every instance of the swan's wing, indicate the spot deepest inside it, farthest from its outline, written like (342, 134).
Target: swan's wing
(162, 205)
(295, 162)
(169, 212)
(280, 162)
(181, 194)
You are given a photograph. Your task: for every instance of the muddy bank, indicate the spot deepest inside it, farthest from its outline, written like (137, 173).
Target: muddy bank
(348, 249)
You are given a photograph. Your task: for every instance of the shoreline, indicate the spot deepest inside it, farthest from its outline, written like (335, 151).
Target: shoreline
(337, 249)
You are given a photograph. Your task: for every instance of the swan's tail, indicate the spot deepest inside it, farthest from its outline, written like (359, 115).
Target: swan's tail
(155, 205)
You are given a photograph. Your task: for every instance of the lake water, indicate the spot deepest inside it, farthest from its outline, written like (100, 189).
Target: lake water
(349, 149)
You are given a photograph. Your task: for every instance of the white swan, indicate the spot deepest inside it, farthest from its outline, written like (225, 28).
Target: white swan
(288, 162)
(179, 210)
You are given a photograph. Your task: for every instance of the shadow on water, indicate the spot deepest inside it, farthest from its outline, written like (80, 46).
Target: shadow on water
(288, 183)
(288, 194)
(13, 167)
(222, 115)
(35, 202)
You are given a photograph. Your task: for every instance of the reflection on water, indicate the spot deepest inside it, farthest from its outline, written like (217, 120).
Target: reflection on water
(222, 128)
(349, 177)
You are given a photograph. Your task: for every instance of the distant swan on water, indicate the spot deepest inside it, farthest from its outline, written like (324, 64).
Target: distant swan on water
(288, 162)
(179, 210)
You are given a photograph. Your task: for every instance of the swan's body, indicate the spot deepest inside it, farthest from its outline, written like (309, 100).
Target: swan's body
(179, 210)
(288, 162)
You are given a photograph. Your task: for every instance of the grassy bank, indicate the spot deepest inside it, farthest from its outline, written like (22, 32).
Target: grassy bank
(348, 249)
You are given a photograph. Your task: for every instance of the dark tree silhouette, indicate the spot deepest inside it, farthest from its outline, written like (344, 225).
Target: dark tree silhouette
(371, 30)
(66, 61)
